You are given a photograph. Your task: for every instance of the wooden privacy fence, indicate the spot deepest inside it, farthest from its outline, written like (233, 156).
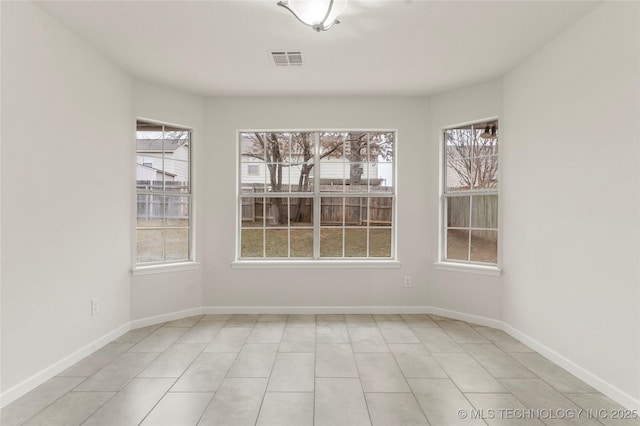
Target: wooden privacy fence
(353, 211)
(478, 211)
(162, 206)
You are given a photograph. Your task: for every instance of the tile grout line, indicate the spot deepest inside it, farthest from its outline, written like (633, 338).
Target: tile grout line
(181, 374)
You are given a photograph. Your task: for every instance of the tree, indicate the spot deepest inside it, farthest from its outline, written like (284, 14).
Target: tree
(281, 150)
(472, 157)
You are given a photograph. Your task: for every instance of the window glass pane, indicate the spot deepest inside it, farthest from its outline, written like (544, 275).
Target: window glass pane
(151, 162)
(355, 242)
(459, 143)
(151, 210)
(150, 245)
(485, 172)
(332, 211)
(381, 177)
(356, 152)
(176, 175)
(332, 145)
(459, 175)
(251, 243)
(252, 146)
(380, 211)
(334, 167)
(302, 158)
(355, 211)
(177, 211)
(176, 244)
(276, 212)
(301, 177)
(458, 244)
(457, 212)
(301, 212)
(330, 242)
(356, 178)
(381, 146)
(484, 213)
(276, 146)
(253, 177)
(380, 242)
(276, 243)
(252, 211)
(302, 243)
(277, 177)
(484, 246)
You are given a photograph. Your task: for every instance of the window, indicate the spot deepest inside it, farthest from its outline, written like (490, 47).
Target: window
(316, 195)
(470, 194)
(163, 226)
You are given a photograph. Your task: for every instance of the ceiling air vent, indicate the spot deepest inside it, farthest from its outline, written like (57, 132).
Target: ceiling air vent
(286, 59)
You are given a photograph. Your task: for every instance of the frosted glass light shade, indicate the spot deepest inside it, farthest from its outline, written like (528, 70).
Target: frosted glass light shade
(312, 12)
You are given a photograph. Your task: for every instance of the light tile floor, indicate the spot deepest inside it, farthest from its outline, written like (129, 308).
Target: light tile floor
(334, 370)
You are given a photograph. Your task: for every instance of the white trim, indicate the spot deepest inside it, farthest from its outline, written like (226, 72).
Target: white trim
(586, 376)
(468, 268)
(475, 319)
(157, 319)
(442, 263)
(312, 264)
(141, 269)
(316, 196)
(164, 267)
(315, 310)
(58, 367)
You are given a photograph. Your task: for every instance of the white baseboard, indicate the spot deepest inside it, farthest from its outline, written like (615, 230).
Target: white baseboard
(489, 322)
(143, 322)
(315, 310)
(586, 376)
(42, 376)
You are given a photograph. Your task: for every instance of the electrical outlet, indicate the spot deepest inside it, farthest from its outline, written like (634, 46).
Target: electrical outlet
(95, 307)
(407, 281)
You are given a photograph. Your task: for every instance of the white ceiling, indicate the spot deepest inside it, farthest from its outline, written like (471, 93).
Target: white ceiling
(397, 47)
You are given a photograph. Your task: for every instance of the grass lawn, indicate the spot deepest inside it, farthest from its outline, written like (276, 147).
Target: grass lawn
(154, 243)
(157, 244)
(484, 247)
(275, 242)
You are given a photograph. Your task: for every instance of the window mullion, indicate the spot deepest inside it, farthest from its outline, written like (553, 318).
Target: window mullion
(470, 216)
(289, 224)
(344, 224)
(316, 197)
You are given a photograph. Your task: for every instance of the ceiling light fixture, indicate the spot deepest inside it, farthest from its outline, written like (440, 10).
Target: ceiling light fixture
(317, 14)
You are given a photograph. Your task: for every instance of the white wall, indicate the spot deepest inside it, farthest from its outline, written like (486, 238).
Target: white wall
(571, 196)
(65, 215)
(570, 234)
(225, 286)
(159, 294)
(470, 293)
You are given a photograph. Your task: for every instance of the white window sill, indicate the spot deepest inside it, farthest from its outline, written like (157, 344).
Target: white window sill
(468, 268)
(167, 267)
(316, 264)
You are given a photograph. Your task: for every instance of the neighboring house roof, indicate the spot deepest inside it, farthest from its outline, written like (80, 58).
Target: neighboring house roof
(156, 170)
(155, 145)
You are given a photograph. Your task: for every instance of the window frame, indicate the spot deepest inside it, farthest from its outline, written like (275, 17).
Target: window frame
(165, 265)
(316, 196)
(443, 263)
